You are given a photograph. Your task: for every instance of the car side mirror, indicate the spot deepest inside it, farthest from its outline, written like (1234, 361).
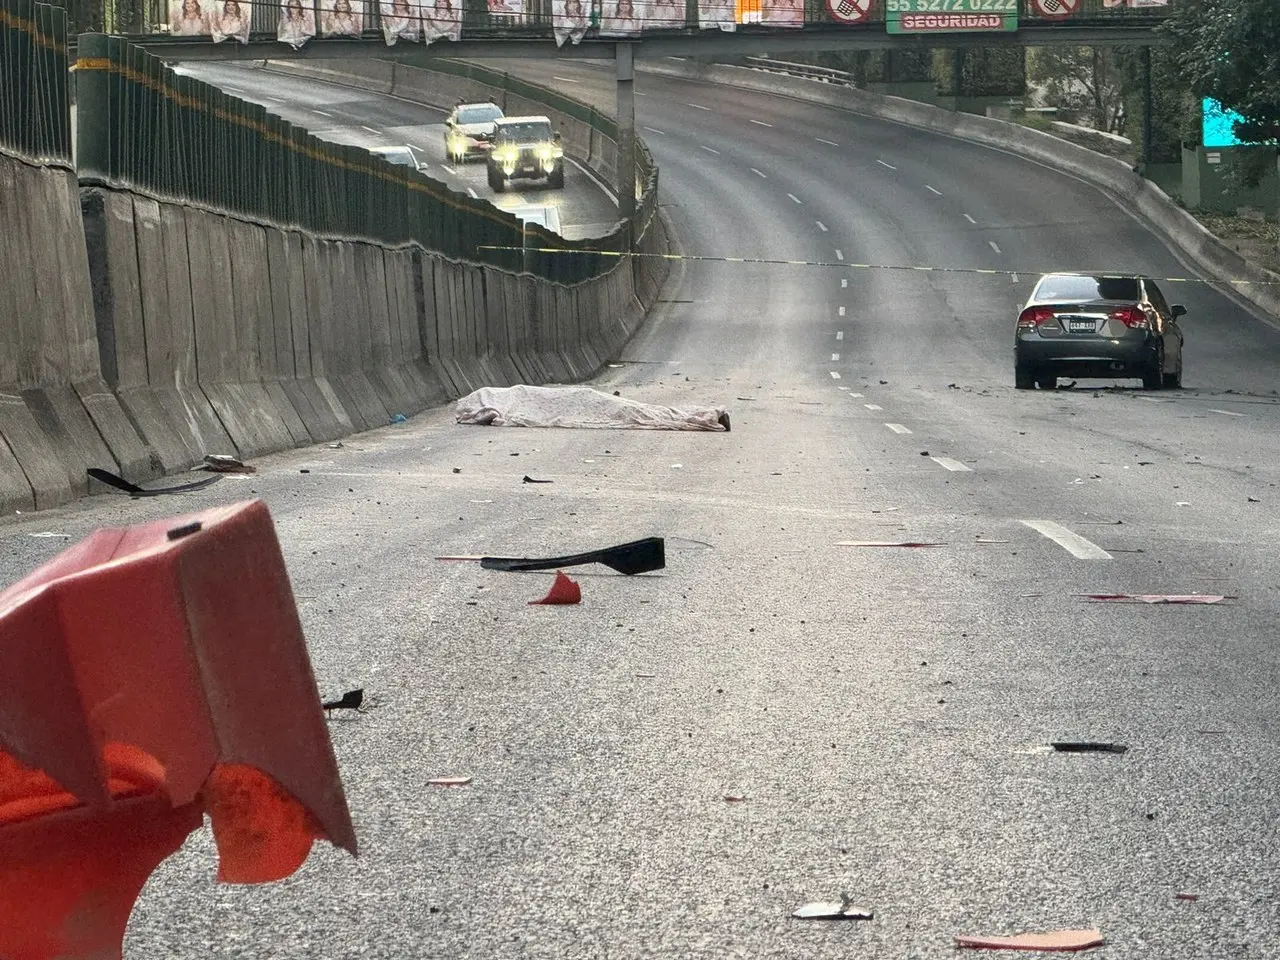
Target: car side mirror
(556, 136)
(1178, 310)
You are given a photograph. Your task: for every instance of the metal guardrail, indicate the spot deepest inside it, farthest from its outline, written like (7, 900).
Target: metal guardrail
(805, 70)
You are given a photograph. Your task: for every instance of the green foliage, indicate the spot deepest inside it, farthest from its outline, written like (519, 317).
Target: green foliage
(1229, 50)
(1086, 82)
(980, 72)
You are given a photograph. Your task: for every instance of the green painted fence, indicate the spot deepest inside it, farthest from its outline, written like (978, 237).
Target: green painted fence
(145, 128)
(35, 119)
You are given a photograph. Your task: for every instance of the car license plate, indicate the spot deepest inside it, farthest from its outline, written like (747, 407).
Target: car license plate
(1081, 325)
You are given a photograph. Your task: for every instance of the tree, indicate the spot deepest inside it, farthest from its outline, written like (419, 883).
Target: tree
(1083, 80)
(1230, 51)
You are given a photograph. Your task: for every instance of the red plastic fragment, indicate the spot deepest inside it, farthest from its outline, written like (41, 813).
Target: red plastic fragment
(563, 591)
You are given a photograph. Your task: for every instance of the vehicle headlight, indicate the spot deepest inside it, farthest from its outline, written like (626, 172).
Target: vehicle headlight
(506, 155)
(546, 152)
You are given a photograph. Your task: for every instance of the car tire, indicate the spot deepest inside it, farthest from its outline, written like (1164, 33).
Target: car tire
(1047, 381)
(1173, 381)
(496, 182)
(556, 180)
(1024, 378)
(1153, 375)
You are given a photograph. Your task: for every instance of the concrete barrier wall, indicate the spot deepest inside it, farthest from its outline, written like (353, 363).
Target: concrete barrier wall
(57, 416)
(1113, 176)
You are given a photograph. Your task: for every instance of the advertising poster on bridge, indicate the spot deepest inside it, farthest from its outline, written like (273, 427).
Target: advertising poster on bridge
(722, 14)
(782, 13)
(341, 18)
(619, 18)
(297, 23)
(189, 18)
(951, 16)
(569, 20)
(229, 20)
(662, 14)
(400, 20)
(442, 19)
(504, 8)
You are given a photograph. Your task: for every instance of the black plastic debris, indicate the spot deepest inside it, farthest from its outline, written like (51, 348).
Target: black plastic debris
(224, 463)
(1084, 746)
(120, 483)
(351, 700)
(529, 479)
(638, 556)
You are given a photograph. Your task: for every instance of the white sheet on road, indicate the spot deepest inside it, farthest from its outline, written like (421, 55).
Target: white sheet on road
(581, 407)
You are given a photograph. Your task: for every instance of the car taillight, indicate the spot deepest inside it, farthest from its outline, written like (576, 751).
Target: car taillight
(1131, 317)
(1032, 317)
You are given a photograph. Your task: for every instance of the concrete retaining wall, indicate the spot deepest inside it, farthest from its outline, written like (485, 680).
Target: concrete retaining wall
(1111, 175)
(57, 416)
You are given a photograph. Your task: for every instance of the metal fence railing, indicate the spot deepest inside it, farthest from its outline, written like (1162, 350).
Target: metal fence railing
(35, 113)
(145, 128)
(403, 20)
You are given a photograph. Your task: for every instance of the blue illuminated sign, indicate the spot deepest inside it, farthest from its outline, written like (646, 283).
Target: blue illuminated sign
(1218, 127)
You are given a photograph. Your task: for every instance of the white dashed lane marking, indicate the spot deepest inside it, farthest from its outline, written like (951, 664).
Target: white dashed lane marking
(565, 79)
(840, 311)
(839, 334)
(821, 226)
(897, 428)
(655, 130)
(933, 189)
(835, 375)
(871, 406)
(1226, 413)
(844, 283)
(472, 193)
(835, 357)
(1073, 543)
(970, 219)
(839, 255)
(709, 149)
(760, 173)
(795, 198)
(993, 246)
(955, 466)
(855, 395)
(889, 165)
(761, 123)
(829, 143)
(321, 113)
(697, 106)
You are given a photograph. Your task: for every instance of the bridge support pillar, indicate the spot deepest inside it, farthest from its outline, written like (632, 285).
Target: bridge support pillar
(625, 174)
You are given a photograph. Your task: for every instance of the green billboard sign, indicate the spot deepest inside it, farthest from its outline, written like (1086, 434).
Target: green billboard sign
(950, 16)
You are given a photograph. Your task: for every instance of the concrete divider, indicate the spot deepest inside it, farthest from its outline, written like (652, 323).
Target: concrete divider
(1113, 176)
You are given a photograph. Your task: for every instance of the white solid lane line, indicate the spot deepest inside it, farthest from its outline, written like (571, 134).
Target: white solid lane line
(760, 173)
(655, 130)
(795, 198)
(697, 106)
(970, 219)
(821, 226)
(897, 428)
(834, 375)
(955, 466)
(1073, 543)
(835, 357)
(993, 246)
(933, 189)
(709, 149)
(829, 143)
(889, 165)
(761, 123)
(871, 406)
(1226, 413)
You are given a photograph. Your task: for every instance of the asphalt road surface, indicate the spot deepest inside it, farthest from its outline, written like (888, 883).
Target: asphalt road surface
(883, 710)
(359, 118)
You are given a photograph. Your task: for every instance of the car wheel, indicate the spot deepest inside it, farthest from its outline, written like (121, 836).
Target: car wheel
(496, 183)
(556, 180)
(1153, 375)
(1173, 381)
(1047, 382)
(1024, 378)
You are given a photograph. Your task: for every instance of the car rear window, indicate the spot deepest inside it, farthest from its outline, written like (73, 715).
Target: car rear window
(1089, 288)
(479, 114)
(525, 132)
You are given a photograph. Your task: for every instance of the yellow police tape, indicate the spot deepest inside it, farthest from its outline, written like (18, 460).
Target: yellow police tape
(845, 265)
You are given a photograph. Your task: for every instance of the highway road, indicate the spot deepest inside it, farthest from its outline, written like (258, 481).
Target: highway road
(358, 118)
(884, 711)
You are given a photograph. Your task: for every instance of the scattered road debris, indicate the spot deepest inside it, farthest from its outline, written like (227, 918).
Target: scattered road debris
(1254, 500)
(842, 909)
(580, 407)
(986, 540)
(748, 399)
(529, 479)
(224, 463)
(399, 418)
(1084, 746)
(351, 700)
(887, 543)
(1190, 897)
(1060, 940)
(734, 797)
(638, 556)
(49, 533)
(335, 446)
(646, 676)
(449, 781)
(1193, 598)
(111, 480)
(563, 592)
